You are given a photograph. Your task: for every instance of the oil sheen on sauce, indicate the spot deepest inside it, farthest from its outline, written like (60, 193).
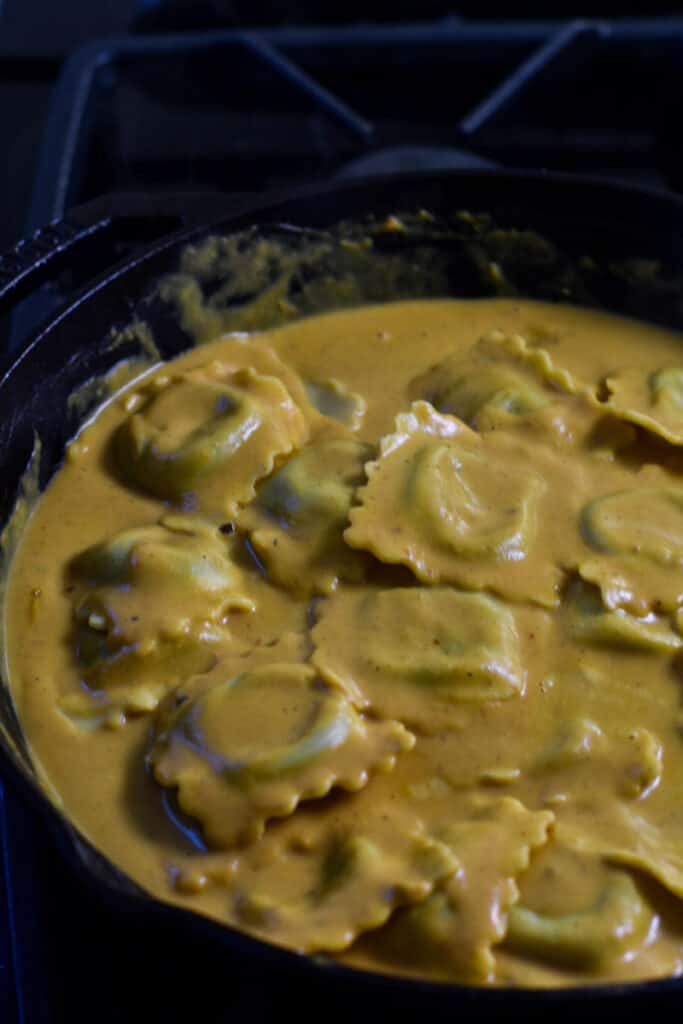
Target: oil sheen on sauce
(363, 635)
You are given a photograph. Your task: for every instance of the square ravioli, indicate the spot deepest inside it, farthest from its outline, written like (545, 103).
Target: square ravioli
(410, 652)
(463, 508)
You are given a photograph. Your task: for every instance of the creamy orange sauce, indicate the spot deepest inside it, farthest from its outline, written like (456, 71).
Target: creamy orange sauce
(363, 635)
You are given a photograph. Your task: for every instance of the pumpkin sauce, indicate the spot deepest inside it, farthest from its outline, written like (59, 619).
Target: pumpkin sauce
(363, 635)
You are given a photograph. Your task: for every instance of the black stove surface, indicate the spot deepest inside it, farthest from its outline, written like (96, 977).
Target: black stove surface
(167, 97)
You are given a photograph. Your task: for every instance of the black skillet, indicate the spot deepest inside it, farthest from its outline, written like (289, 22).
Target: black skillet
(542, 236)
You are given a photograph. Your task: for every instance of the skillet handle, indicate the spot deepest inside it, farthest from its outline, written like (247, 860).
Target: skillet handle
(126, 218)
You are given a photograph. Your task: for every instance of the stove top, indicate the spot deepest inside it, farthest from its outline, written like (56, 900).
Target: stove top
(168, 97)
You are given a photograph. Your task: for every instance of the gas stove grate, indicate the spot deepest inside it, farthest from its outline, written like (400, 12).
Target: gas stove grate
(243, 111)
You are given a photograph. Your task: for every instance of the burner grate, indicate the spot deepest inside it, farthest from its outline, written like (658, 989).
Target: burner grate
(244, 111)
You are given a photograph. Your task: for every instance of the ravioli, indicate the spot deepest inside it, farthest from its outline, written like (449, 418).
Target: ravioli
(617, 923)
(432, 503)
(629, 838)
(638, 535)
(320, 898)
(206, 437)
(418, 647)
(503, 378)
(452, 934)
(592, 623)
(628, 762)
(150, 605)
(296, 523)
(255, 745)
(652, 400)
(183, 561)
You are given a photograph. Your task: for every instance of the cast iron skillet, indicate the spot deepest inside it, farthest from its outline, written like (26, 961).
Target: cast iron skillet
(549, 236)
